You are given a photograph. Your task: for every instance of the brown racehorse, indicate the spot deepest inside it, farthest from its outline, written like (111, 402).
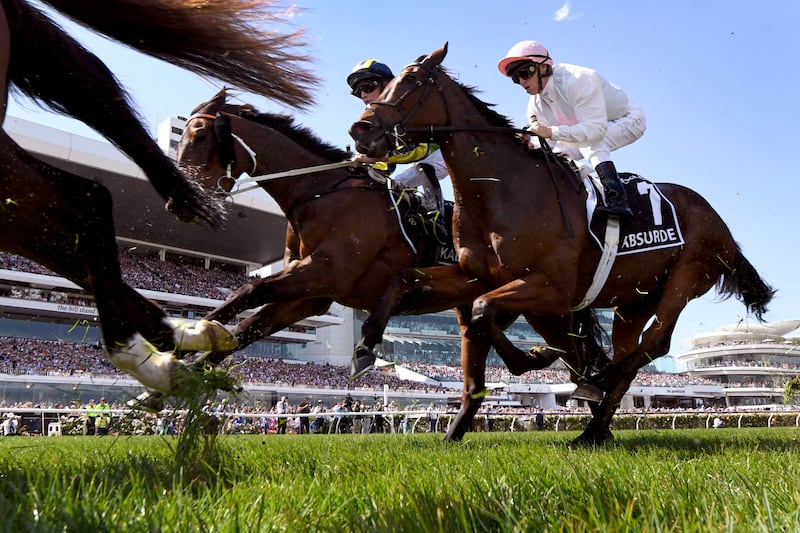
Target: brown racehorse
(520, 228)
(65, 222)
(344, 240)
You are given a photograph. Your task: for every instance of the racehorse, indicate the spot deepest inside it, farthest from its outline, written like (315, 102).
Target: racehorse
(63, 221)
(344, 238)
(521, 228)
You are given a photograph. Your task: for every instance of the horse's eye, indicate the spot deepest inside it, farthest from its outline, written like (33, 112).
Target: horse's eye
(200, 130)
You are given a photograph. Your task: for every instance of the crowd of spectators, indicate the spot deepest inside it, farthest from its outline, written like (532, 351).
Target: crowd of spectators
(176, 276)
(187, 276)
(48, 357)
(550, 376)
(173, 275)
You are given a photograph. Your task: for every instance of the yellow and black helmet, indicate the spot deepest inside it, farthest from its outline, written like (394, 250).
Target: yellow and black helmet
(369, 69)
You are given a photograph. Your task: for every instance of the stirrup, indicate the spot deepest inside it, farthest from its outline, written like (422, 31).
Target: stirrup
(617, 208)
(588, 392)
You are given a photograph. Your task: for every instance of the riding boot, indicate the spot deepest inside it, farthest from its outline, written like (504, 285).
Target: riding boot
(431, 190)
(616, 202)
(432, 199)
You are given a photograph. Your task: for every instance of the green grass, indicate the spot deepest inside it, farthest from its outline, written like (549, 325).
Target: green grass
(684, 480)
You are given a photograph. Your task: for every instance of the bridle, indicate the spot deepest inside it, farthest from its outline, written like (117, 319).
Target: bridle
(226, 140)
(227, 150)
(398, 132)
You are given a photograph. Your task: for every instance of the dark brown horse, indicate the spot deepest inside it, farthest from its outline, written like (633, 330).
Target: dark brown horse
(63, 221)
(520, 226)
(344, 239)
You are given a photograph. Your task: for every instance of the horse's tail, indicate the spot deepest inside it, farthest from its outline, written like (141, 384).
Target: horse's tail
(743, 281)
(227, 40)
(54, 70)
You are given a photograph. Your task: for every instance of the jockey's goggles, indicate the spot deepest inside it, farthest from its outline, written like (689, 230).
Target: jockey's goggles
(366, 86)
(524, 72)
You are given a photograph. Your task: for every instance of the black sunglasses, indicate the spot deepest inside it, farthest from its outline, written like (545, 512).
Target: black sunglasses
(524, 73)
(366, 86)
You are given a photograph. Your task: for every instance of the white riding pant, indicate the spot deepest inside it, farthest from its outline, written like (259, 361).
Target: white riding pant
(409, 176)
(621, 132)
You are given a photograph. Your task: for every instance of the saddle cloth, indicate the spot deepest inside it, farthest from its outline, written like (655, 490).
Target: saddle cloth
(654, 224)
(430, 238)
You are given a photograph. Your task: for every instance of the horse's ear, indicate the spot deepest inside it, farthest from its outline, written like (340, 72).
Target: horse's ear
(220, 97)
(436, 57)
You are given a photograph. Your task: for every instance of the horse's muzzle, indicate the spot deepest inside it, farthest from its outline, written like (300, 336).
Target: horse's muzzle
(369, 140)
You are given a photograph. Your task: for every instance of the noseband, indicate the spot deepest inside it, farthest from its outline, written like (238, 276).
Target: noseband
(227, 150)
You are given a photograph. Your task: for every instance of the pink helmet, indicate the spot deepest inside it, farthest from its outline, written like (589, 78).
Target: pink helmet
(525, 51)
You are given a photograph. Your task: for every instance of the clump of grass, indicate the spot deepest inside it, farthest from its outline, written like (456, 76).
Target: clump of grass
(199, 458)
(790, 389)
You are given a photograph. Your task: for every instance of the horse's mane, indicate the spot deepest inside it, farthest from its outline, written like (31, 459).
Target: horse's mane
(285, 125)
(493, 117)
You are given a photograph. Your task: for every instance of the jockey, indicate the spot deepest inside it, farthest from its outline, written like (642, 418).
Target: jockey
(367, 81)
(583, 115)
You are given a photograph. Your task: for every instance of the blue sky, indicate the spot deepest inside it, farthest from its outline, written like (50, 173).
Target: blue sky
(718, 82)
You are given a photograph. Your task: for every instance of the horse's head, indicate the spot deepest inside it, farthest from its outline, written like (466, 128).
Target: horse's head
(413, 99)
(207, 150)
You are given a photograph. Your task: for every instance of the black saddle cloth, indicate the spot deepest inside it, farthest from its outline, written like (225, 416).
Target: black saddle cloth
(430, 233)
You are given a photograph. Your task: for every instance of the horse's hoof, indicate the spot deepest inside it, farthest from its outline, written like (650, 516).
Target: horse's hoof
(204, 335)
(363, 361)
(544, 356)
(592, 439)
(588, 392)
(152, 401)
(155, 370)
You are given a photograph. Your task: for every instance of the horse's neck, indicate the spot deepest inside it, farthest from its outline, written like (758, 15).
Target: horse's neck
(496, 182)
(285, 156)
(485, 168)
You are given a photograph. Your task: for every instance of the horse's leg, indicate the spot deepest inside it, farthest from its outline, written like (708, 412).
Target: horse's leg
(65, 223)
(52, 67)
(619, 375)
(519, 296)
(685, 283)
(474, 350)
(270, 319)
(560, 334)
(307, 280)
(598, 430)
(146, 317)
(412, 291)
(553, 329)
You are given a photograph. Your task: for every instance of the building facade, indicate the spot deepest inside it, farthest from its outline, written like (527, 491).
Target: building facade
(751, 362)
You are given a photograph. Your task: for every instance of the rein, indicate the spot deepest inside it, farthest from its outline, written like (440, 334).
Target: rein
(229, 178)
(290, 173)
(399, 130)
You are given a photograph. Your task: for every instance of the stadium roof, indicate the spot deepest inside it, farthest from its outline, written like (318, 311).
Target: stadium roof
(255, 231)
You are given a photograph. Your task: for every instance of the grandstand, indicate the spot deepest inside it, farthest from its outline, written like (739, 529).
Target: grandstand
(751, 362)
